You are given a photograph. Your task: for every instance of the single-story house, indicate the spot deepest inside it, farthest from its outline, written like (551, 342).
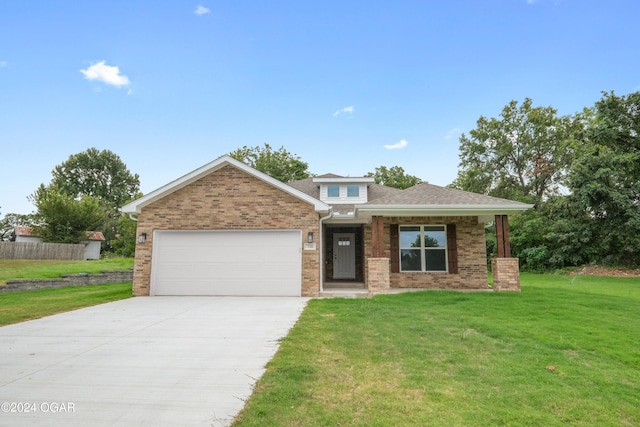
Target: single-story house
(228, 229)
(91, 245)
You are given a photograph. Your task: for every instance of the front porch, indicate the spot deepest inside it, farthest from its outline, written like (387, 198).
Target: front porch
(363, 259)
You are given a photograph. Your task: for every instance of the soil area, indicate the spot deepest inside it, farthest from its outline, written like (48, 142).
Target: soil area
(605, 271)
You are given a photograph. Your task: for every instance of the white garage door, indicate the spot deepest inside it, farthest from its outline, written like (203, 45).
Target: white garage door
(259, 263)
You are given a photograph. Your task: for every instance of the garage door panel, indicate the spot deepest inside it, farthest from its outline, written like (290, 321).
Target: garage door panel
(227, 263)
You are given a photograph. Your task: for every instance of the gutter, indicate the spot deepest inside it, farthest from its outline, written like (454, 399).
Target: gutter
(321, 247)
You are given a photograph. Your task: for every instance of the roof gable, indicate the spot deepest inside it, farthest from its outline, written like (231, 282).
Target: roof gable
(136, 206)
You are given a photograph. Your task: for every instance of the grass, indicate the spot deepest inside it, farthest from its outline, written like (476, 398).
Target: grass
(35, 269)
(20, 306)
(564, 351)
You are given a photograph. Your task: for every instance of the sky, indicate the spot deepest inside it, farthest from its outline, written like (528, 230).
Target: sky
(347, 86)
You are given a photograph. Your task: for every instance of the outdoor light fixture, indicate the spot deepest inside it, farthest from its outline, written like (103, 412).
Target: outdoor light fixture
(142, 237)
(310, 237)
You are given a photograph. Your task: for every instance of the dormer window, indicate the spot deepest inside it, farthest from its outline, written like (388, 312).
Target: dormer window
(353, 191)
(343, 190)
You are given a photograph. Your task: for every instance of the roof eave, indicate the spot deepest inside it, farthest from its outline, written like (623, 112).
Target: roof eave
(442, 210)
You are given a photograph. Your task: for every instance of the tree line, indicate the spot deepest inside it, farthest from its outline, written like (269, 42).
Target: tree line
(580, 171)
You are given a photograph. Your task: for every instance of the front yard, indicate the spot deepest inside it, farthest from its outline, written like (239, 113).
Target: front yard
(564, 351)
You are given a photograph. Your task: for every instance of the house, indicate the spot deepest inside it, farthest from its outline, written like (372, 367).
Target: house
(228, 229)
(91, 245)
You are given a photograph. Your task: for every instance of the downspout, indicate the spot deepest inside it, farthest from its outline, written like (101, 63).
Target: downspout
(322, 249)
(132, 218)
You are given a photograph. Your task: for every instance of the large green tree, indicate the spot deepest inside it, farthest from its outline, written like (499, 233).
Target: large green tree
(279, 164)
(61, 218)
(394, 176)
(605, 178)
(96, 173)
(524, 154)
(102, 176)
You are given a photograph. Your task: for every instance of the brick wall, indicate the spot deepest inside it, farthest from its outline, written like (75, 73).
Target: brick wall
(227, 199)
(506, 274)
(378, 274)
(472, 258)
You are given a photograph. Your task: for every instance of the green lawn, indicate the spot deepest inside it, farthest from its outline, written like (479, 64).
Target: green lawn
(35, 269)
(20, 306)
(564, 351)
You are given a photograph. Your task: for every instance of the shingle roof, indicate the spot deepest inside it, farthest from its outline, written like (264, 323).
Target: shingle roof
(425, 198)
(430, 195)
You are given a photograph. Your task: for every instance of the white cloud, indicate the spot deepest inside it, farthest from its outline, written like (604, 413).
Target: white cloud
(3, 64)
(201, 10)
(346, 110)
(531, 1)
(398, 145)
(106, 74)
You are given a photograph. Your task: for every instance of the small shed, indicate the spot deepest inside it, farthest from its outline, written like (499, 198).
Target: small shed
(26, 235)
(92, 244)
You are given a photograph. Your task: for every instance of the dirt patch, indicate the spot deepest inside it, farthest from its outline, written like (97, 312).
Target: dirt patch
(605, 271)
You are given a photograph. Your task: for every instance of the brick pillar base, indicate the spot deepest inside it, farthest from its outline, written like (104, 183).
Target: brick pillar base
(378, 275)
(506, 274)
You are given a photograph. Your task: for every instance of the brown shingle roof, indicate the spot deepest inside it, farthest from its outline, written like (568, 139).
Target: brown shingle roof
(429, 194)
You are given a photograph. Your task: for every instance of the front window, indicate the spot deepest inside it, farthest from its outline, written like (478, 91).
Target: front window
(423, 248)
(333, 191)
(353, 191)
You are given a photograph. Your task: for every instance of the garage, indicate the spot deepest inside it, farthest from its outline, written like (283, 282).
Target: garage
(227, 263)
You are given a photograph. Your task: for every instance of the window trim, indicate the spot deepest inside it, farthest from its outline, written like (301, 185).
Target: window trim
(423, 249)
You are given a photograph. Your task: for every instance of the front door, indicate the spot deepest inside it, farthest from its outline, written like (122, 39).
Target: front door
(344, 256)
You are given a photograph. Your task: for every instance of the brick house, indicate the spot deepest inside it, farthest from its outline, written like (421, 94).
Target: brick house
(228, 229)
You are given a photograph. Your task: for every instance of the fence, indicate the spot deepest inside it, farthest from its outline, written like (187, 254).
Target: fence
(30, 250)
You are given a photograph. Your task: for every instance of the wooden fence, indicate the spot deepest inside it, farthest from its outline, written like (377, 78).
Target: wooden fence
(29, 250)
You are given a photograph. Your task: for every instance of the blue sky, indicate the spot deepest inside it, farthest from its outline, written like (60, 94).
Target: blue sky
(346, 85)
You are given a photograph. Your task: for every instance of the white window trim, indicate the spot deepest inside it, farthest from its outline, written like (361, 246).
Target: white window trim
(423, 261)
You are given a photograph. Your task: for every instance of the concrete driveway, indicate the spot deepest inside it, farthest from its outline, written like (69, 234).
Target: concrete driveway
(148, 361)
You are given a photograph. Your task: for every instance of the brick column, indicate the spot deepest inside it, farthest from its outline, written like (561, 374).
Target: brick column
(506, 274)
(378, 275)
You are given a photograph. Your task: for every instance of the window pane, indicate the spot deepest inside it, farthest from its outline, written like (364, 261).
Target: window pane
(353, 191)
(333, 191)
(435, 237)
(410, 237)
(436, 260)
(410, 260)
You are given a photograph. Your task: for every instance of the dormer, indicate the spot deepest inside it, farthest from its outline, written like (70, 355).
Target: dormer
(343, 190)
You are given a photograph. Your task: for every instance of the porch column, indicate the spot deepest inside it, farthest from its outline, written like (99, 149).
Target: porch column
(505, 270)
(502, 236)
(377, 237)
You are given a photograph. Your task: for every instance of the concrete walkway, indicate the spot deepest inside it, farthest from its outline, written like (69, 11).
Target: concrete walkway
(148, 361)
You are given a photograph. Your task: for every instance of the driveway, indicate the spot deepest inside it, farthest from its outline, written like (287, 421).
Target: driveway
(147, 361)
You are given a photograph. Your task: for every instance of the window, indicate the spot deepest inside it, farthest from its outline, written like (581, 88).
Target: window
(423, 248)
(353, 191)
(333, 191)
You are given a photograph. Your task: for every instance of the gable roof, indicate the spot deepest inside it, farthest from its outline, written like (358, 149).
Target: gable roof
(135, 207)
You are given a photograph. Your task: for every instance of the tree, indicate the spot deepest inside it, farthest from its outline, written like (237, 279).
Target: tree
(605, 178)
(95, 173)
(63, 219)
(394, 176)
(522, 155)
(101, 175)
(280, 164)
(10, 221)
